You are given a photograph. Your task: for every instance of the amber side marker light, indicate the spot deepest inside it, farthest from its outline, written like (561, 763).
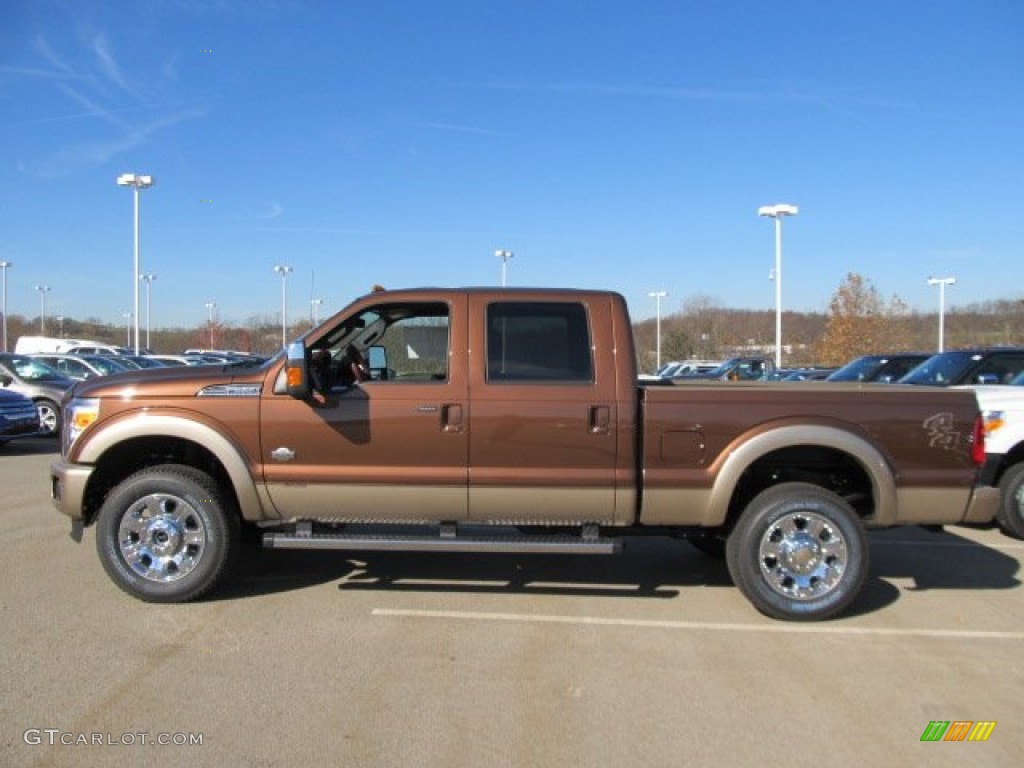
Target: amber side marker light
(294, 377)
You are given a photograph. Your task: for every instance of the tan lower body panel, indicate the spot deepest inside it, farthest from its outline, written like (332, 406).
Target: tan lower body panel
(676, 506)
(345, 502)
(931, 506)
(550, 506)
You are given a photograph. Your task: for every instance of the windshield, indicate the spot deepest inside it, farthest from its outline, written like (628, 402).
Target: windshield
(861, 369)
(942, 370)
(32, 370)
(106, 365)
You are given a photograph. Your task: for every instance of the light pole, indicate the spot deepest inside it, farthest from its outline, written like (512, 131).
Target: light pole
(136, 182)
(283, 271)
(4, 265)
(314, 304)
(777, 212)
(658, 296)
(211, 306)
(148, 278)
(504, 256)
(942, 282)
(43, 290)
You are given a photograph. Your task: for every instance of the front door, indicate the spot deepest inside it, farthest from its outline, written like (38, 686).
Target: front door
(392, 447)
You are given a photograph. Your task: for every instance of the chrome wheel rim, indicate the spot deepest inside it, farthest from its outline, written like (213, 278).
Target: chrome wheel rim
(803, 556)
(162, 537)
(47, 418)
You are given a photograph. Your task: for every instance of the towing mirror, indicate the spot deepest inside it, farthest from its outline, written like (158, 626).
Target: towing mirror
(297, 371)
(377, 362)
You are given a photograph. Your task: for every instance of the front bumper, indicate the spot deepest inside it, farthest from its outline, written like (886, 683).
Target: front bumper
(67, 488)
(983, 505)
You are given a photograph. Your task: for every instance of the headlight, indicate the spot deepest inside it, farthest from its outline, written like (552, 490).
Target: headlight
(79, 413)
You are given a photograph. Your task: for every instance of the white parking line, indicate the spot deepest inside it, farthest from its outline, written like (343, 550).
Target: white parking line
(796, 629)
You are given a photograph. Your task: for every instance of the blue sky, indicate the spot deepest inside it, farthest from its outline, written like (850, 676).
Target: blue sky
(609, 143)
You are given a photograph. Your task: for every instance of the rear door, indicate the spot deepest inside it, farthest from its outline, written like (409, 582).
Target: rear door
(544, 416)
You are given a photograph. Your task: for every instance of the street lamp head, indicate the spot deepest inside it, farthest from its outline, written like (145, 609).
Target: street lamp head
(941, 281)
(43, 288)
(658, 294)
(282, 270)
(778, 211)
(134, 180)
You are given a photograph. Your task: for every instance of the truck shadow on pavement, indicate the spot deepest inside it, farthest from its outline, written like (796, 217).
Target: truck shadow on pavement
(654, 568)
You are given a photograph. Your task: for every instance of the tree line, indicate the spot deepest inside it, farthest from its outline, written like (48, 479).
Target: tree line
(859, 321)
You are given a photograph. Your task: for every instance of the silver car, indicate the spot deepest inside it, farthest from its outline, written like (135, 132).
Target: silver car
(81, 367)
(40, 383)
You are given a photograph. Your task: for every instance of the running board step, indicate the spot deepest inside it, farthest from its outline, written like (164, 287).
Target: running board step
(569, 545)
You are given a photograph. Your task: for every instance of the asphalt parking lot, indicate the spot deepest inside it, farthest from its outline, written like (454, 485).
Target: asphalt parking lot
(651, 658)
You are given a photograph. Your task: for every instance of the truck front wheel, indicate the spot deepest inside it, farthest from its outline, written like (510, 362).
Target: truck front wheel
(798, 552)
(1011, 501)
(163, 536)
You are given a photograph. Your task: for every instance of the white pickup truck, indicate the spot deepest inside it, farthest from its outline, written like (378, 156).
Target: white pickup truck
(1003, 411)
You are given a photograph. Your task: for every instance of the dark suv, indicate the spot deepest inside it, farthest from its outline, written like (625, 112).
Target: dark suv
(991, 365)
(881, 368)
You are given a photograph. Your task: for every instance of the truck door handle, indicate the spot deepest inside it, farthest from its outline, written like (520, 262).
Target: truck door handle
(599, 420)
(451, 417)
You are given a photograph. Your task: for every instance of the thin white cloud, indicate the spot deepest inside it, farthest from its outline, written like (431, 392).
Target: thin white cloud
(85, 155)
(108, 64)
(466, 129)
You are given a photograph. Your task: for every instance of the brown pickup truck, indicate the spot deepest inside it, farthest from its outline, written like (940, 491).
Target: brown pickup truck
(485, 420)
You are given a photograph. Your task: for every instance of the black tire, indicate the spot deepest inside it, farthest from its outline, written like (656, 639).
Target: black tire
(1011, 502)
(49, 417)
(798, 553)
(164, 535)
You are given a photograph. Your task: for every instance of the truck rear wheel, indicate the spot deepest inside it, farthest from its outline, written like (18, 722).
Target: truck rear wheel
(798, 552)
(163, 536)
(1011, 502)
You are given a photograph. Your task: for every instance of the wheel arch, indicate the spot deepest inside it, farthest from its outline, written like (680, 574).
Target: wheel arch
(832, 456)
(141, 440)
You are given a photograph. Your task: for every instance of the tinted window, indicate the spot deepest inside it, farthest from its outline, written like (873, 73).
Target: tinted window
(543, 341)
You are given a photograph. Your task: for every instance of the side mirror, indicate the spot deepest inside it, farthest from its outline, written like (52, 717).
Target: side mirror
(297, 371)
(377, 362)
(5, 380)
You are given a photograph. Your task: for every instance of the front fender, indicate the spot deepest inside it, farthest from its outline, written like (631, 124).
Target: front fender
(193, 428)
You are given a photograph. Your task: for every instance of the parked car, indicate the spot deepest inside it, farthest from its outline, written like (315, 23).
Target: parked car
(734, 369)
(141, 361)
(1003, 410)
(81, 367)
(18, 416)
(39, 382)
(881, 368)
(679, 368)
(808, 374)
(990, 365)
(97, 348)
